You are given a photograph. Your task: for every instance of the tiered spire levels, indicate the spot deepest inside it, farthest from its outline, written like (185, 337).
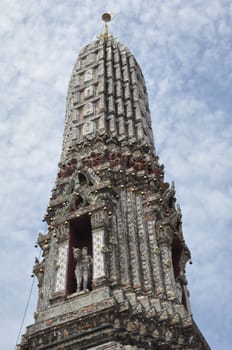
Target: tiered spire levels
(106, 97)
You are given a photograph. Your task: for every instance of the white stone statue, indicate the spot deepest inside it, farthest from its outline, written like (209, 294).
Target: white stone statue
(83, 267)
(86, 266)
(181, 281)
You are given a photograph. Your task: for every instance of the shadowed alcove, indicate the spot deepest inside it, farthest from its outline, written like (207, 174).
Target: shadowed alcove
(80, 235)
(177, 249)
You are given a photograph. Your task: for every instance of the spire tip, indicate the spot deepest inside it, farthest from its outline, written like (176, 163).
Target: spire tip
(106, 17)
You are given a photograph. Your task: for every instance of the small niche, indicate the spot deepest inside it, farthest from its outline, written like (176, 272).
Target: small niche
(80, 236)
(82, 179)
(79, 202)
(177, 248)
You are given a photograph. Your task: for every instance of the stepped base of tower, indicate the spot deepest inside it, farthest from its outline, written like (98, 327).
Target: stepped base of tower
(120, 320)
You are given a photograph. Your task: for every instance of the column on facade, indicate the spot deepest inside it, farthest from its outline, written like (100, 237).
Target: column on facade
(144, 251)
(133, 241)
(124, 251)
(99, 247)
(164, 237)
(155, 257)
(113, 244)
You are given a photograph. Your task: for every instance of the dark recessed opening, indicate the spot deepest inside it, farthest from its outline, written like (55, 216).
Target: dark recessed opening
(177, 248)
(79, 202)
(82, 179)
(80, 236)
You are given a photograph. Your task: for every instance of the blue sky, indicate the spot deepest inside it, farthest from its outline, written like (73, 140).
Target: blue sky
(185, 51)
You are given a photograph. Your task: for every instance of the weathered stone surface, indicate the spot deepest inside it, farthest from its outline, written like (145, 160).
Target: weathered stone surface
(110, 197)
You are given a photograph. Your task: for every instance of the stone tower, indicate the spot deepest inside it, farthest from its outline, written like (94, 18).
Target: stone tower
(112, 271)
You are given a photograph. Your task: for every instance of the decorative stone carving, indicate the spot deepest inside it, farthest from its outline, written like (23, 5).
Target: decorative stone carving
(169, 195)
(98, 219)
(89, 91)
(61, 233)
(98, 255)
(44, 240)
(38, 270)
(88, 108)
(62, 264)
(88, 75)
(88, 128)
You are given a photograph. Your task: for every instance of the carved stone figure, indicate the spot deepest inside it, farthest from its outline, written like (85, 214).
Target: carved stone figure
(65, 169)
(78, 268)
(179, 291)
(38, 270)
(86, 266)
(83, 267)
(74, 184)
(181, 281)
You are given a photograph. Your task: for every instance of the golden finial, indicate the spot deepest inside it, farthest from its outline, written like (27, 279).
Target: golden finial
(106, 17)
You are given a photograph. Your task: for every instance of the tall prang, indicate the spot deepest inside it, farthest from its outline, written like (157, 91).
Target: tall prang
(112, 272)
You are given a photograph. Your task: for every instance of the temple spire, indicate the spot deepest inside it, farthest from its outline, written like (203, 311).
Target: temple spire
(112, 271)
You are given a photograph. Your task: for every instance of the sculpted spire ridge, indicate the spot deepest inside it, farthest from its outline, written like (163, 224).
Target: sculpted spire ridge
(106, 97)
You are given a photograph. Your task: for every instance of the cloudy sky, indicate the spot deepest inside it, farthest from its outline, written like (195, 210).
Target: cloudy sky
(184, 48)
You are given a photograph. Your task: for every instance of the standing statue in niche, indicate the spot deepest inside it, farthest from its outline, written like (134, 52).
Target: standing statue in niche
(78, 268)
(181, 281)
(86, 266)
(83, 267)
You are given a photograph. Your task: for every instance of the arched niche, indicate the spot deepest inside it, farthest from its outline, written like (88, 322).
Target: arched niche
(79, 202)
(84, 179)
